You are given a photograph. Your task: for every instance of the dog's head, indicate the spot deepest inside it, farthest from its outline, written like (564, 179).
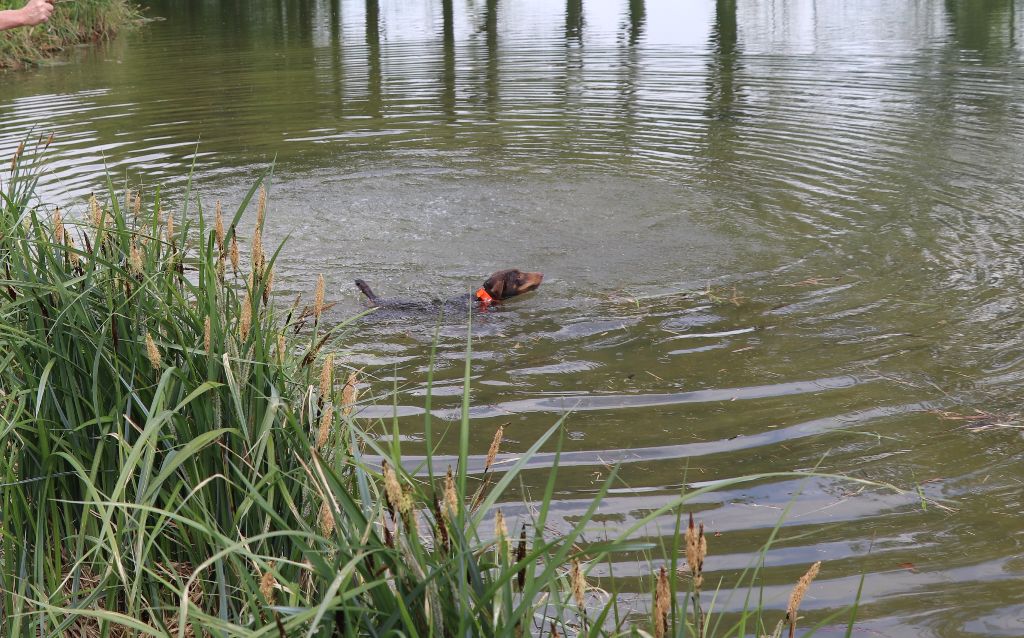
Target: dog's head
(509, 283)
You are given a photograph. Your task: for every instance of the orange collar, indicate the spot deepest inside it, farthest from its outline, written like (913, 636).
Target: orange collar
(484, 297)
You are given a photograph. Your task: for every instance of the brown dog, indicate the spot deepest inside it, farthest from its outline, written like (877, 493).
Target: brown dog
(498, 287)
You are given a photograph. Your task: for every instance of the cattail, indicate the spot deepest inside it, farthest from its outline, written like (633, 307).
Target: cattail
(206, 335)
(261, 206)
(696, 550)
(127, 200)
(280, 349)
(152, 352)
(451, 495)
(257, 252)
(500, 530)
(170, 228)
(326, 422)
(661, 604)
(326, 519)
(17, 156)
(268, 282)
(58, 227)
(492, 452)
(134, 259)
(245, 323)
(318, 299)
(325, 377)
(349, 394)
(268, 584)
(95, 212)
(520, 555)
(218, 229)
(49, 140)
(578, 583)
(798, 595)
(72, 254)
(306, 578)
(234, 253)
(137, 205)
(397, 498)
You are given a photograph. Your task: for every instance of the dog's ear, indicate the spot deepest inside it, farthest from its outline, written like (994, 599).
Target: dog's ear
(495, 285)
(512, 281)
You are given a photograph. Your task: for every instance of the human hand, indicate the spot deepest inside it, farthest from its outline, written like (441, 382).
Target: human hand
(36, 11)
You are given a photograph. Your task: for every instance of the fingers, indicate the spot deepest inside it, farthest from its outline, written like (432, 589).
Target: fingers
(38, 11)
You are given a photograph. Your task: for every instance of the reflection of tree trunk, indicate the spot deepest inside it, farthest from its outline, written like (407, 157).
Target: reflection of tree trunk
(574, 19)
(637, 17)
(337, 64)
(448, 74)
(491, 26)
(985, 26)
(373, 77)
(720, 114)
(724, 61)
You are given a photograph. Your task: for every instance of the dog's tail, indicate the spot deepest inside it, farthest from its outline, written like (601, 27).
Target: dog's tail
(365, 289)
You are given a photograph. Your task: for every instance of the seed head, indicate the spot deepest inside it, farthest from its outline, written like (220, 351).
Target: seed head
(95, 212)
(578, 582)
(268, 584)
(661, 604)
(393, 489)
(234, 253)
(451, 495)
(318, 299)
(325, 377)
(492, 452)
(170, 228)
(798, 594)
(58, 227)
(206, 335)
(696, 550)
(17, 155)
(350, 393)
(500, 530)
(326, 519)
(134, 259)
(280, 349)
(152, 352)
(137, 205)
(218, 228)
(245, 323)
(268, 284)
(261, 206)
(326, 422)
(257, 251)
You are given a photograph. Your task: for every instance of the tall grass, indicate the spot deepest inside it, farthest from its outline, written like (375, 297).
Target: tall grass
(180, 457)
(72, 22)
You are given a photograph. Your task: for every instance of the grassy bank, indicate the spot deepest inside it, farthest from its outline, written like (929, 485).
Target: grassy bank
(73, 22)
(181, 456)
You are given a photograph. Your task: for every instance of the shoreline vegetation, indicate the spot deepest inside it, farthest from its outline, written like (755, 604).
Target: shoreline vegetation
(73, 22)
(183, 457)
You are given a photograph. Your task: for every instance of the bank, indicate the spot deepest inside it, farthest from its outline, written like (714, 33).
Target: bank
(73, 22)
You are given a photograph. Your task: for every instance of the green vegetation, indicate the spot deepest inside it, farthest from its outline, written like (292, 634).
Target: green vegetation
(73, 22)
(180, 457)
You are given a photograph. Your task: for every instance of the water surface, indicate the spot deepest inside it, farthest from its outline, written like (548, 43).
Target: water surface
(777, 236)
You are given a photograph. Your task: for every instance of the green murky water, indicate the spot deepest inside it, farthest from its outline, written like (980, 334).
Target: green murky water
(777, 235)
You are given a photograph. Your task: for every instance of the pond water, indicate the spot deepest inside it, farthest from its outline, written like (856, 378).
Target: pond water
(777, 235)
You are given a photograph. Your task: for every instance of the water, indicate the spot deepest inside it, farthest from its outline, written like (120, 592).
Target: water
(776, 236)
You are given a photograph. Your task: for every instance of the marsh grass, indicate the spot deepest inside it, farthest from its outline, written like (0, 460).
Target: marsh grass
(181, 457)
(73, 22)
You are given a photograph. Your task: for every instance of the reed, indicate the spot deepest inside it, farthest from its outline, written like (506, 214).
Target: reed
(178, 460)
(73, 22)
